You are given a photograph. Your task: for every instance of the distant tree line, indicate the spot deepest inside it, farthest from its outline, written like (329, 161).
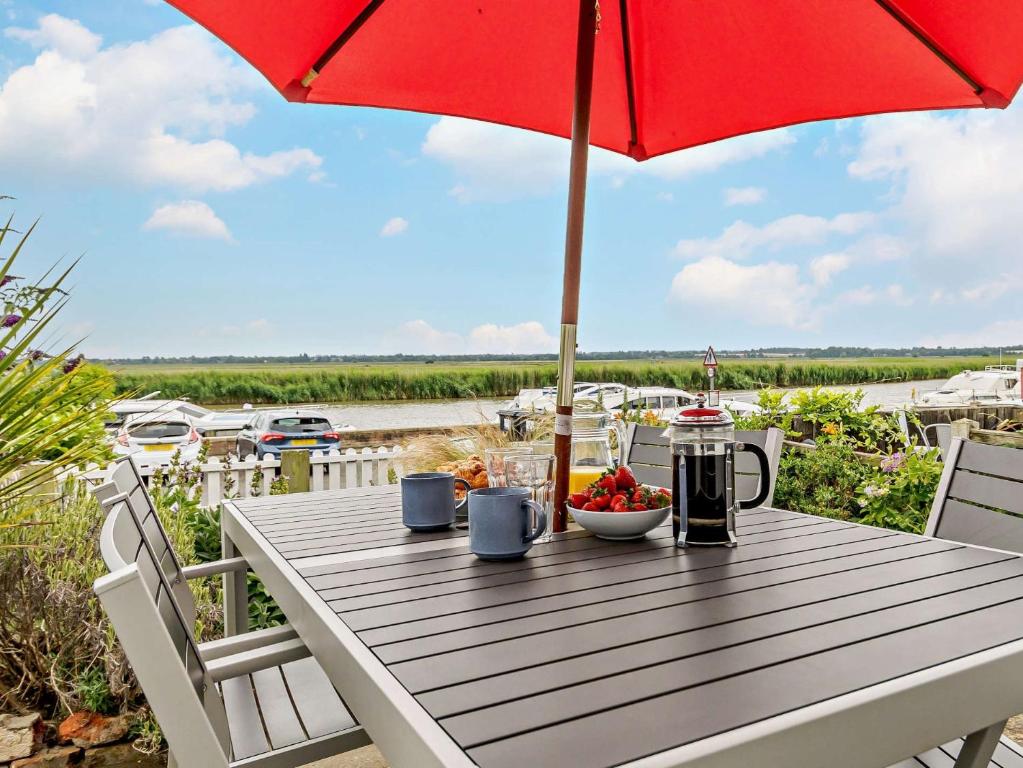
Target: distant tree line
(640, 354)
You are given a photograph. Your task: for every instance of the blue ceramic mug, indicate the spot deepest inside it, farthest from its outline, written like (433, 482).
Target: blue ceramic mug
(428, 500)
(500, 522)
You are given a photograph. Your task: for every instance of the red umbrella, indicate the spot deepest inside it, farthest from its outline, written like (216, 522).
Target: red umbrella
(658, 75)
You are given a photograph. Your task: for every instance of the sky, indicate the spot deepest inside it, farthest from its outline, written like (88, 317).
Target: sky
(213, 217)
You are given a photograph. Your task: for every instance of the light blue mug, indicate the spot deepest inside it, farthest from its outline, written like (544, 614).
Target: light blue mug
(499, 522)
(428, 500)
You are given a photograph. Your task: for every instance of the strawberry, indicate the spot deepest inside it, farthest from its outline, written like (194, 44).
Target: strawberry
(577, 500)
(589, 506)
(639, 507)
(620, 507)
(624, 478)
(619, 498)
(637, 496)
(607, 482)
(603, 501)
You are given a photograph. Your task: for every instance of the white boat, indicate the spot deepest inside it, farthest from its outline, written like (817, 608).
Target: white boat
(664, 402)
(995, 385)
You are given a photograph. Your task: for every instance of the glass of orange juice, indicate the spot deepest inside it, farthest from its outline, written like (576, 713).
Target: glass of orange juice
(580, 476)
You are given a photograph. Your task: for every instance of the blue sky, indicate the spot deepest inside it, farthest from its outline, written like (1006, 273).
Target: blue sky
(217, 218)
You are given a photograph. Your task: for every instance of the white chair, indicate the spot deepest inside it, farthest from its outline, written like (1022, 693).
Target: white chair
(649, 458)
(256, 699)
(978, 501)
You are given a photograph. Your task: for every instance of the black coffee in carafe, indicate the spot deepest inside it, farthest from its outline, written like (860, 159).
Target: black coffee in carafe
(704, 497)
(703, 501)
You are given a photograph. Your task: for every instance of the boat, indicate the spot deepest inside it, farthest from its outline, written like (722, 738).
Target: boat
(995, 385)
(663, 402)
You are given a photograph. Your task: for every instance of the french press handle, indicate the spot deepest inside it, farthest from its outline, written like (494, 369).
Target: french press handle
(765, 475)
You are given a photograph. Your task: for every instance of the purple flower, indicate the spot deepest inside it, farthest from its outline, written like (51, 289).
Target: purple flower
(3, 354)
(35, 354)
(11, 320)
(893, 462)
(8, 279)
(71, 364)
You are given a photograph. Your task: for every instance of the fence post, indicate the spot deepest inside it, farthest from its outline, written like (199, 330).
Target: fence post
(963, 427)
(295, 466)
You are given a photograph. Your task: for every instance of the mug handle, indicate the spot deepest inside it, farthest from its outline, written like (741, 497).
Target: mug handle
(765, 475)
(461, 505)
(541, 520)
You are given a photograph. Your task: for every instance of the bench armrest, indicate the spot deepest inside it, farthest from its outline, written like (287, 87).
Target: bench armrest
(247, 641)
(229, 565)
(256, 659)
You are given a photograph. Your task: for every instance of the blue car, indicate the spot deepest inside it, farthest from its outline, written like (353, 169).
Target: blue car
(269, 433)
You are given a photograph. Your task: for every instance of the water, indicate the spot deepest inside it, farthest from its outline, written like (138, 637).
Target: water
(447, 413)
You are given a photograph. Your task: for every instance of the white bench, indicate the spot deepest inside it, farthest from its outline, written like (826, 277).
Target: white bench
(255, 699)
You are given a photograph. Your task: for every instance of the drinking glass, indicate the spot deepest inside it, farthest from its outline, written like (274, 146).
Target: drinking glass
(496, 458)
(535, 472)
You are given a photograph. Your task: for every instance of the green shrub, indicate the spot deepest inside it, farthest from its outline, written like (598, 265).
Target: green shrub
(899, 496)
(822, 482)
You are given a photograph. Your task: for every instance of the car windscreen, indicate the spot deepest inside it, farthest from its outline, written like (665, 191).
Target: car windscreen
(297, 425)
(159, 430)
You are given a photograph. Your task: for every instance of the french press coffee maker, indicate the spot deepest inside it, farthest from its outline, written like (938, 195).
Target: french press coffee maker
(703, 449)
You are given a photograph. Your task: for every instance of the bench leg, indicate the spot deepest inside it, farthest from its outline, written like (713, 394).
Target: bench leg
(236, 594)
(979, 746)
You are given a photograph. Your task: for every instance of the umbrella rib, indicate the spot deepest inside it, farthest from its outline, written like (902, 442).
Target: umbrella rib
(630, 86)
(918, 33)
(341, 41)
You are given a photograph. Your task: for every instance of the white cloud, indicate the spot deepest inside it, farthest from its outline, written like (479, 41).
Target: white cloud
(740, 239)
(500, 162)
(67, 36)
(744, 195)
(766, 294)
(859, 297)
(958, 182)
(666, 197)
(151, 112)
(522, 338)
(896, 294)
(189, 217)
(394, 226)
(999, 333)
(825, 267)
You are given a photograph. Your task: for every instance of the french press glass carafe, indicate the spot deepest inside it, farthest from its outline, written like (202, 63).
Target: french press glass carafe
(703, 449)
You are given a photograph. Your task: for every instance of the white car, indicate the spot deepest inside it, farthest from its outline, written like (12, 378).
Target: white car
(153, 438)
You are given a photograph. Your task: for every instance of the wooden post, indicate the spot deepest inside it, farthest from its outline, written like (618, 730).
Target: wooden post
(585, 45)
(295, 466)
(963, 427)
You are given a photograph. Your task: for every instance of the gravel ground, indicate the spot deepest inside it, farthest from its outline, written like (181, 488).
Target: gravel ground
(367, 757)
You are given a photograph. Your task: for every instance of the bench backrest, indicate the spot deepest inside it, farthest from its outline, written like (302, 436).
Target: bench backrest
(124, 479)
(649, 457)
(158, 641)
(980, 497)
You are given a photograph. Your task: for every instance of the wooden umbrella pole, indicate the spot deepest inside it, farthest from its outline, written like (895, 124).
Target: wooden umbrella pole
(585, 44)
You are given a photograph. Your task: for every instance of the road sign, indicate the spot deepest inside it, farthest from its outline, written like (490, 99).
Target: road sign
(710, 360)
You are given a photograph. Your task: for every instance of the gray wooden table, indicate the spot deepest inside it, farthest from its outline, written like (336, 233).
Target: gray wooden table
(815, 642)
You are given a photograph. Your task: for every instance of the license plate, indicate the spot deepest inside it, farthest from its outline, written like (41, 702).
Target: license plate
(160, 447)
(303, 442)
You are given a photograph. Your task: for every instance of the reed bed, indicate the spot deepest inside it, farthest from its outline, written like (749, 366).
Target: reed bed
(348, 383)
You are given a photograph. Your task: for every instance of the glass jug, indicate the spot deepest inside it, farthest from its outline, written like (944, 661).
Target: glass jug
(592, 453)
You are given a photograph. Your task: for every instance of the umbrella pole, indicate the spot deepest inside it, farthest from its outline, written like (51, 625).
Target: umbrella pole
(585, 45)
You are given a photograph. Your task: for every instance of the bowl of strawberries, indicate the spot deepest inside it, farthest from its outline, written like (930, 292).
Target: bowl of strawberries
(618, 508)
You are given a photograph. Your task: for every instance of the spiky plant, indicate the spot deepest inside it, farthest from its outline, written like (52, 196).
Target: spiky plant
(51, 406)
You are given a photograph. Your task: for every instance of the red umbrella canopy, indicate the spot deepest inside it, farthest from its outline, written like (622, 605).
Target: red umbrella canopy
(668, 74)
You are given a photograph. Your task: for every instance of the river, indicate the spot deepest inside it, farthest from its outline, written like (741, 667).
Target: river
(445, 413)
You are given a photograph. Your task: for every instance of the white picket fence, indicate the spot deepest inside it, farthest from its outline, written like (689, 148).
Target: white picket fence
(327, 472)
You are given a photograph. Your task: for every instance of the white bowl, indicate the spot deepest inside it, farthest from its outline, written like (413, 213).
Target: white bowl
(620, 526)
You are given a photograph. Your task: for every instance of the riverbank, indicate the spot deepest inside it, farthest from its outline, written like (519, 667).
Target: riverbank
(294, 384)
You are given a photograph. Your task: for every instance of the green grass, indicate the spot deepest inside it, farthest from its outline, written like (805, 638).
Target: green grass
(274, 384)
